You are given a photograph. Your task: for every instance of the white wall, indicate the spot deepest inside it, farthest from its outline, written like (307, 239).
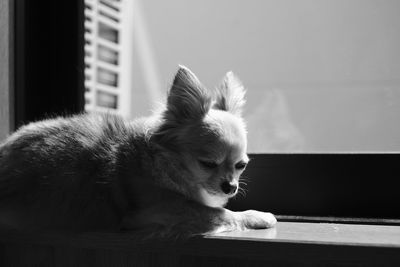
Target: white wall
(322, 75)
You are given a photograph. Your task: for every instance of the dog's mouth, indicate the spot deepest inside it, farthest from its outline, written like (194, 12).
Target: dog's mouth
(212, 199)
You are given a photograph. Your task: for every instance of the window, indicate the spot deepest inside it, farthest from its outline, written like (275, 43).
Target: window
(108, 56)
(107, 100)
(319, 69)
(322, 76)
(319, 184)
(108, 33)
(107, 77)
(322, 83)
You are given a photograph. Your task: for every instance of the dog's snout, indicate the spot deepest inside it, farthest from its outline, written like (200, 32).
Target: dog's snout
(229, 188)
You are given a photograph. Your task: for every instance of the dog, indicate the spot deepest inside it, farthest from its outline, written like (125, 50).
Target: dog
(165, 176)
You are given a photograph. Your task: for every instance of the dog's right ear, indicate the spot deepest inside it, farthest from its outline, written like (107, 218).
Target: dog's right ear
(187, 98)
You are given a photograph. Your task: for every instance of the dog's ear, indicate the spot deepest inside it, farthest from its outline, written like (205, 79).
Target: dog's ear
(230, 95)
(187, 98)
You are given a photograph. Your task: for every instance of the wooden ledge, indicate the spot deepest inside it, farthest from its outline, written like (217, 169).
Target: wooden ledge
(290, 243)
(323, 233)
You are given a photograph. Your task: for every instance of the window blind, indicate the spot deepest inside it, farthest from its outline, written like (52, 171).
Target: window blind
(103, 23)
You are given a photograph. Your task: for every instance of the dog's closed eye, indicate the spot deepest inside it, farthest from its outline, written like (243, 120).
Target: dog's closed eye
(208, 164)
(240, 165)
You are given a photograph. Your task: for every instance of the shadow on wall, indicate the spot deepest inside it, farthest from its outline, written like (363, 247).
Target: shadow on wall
(270, 127)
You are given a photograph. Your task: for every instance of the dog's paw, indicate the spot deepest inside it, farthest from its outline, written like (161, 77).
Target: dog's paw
(253, 219)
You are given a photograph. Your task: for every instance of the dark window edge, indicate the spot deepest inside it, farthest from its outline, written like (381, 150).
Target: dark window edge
(333, 185)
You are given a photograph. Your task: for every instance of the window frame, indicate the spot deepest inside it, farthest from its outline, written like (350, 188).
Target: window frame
(49, 59)
(6, 67)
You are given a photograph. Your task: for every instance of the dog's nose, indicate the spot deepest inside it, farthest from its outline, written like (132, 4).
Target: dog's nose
(228, 188)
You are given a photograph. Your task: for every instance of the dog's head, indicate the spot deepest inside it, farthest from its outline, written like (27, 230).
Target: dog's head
(205, 130)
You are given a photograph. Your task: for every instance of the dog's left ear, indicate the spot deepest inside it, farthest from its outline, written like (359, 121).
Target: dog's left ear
(230, 95)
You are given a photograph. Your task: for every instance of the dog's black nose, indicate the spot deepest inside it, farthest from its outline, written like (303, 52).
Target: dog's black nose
(228, 188)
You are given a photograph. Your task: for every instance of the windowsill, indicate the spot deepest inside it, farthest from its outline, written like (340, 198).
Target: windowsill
(290, 243)
(322, 233)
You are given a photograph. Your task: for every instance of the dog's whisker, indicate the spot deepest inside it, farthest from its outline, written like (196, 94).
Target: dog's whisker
(246, 179)
(242, 192)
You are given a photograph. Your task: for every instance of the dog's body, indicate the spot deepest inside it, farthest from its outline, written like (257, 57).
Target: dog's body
(167, 176)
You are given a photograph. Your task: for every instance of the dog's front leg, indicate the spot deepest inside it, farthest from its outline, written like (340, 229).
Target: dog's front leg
(188, 218)
(250, 219)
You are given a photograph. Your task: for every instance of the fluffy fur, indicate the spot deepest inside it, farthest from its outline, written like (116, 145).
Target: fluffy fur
(165, 176)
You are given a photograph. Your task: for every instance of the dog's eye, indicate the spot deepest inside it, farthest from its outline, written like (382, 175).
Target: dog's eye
(208, 164)
(240, 165)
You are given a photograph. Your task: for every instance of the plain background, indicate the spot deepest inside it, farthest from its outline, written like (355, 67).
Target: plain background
(321, 75)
